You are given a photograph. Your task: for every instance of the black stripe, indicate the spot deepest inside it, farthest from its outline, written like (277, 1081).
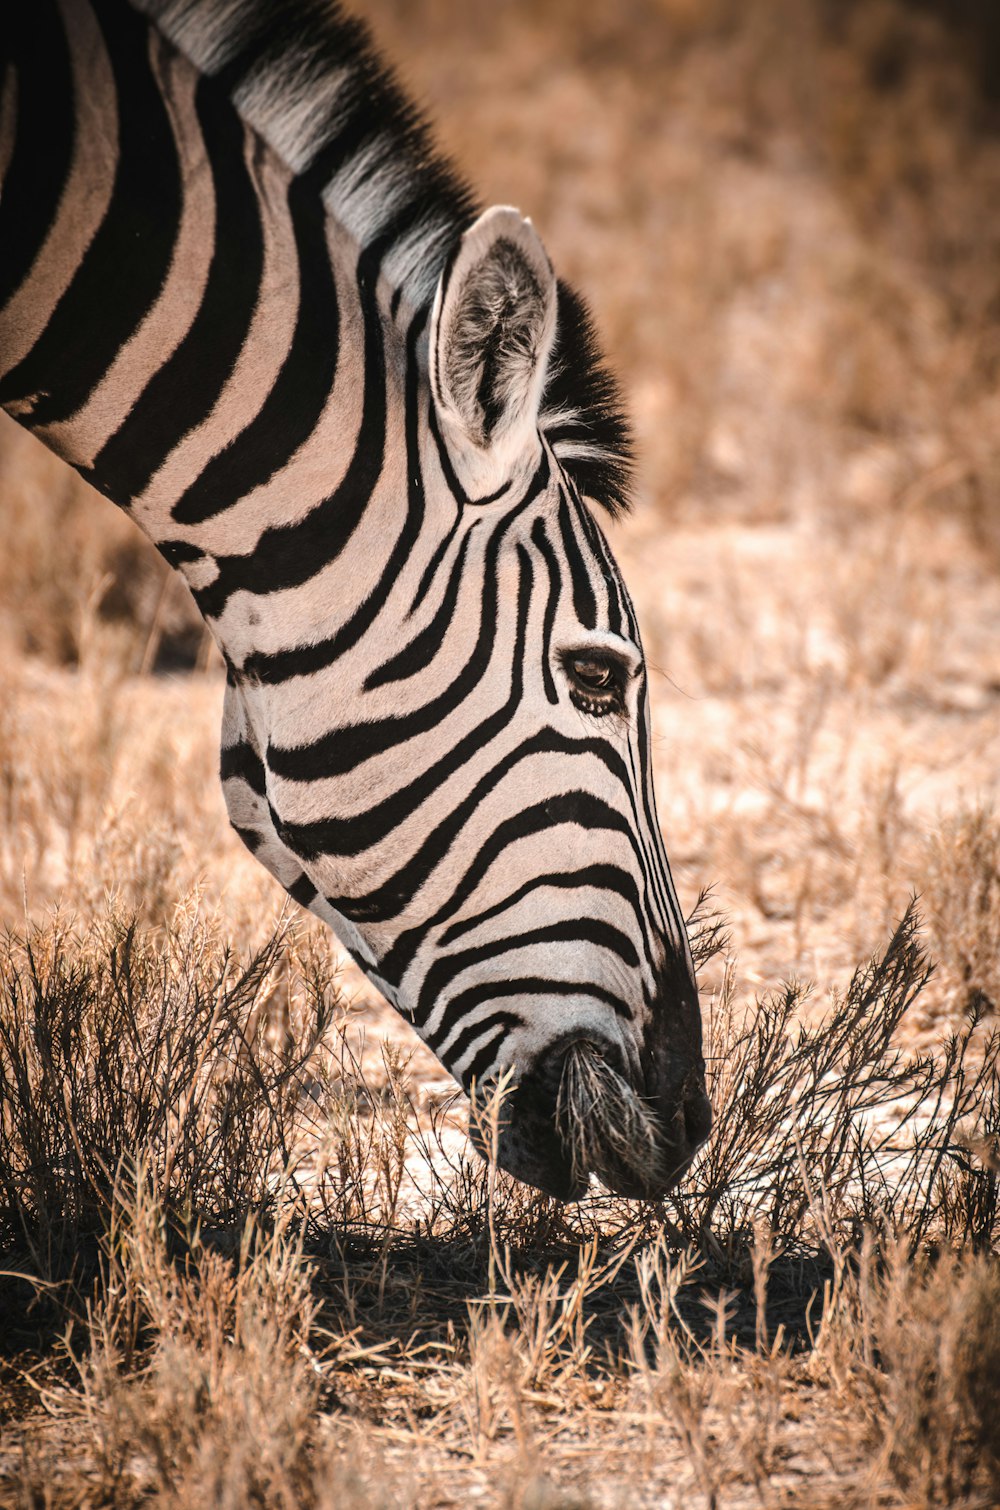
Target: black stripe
(34, 43)
(582, 930)
(302, 891)
(494, 1024)
(184, 391)
(250, 836)
(430, 570)
(302, 660)
(652, 856)
(179, 552)
(286, 555)
(484, 1059)
(639, 751)
(643, 817)
(125, 265)
(293, 407)
(342, 749)
(584, 602)
(493, 497)
(631, 618)
(609, 572)
(659, 864)
(241, 761)
(418, 654)
(541, 540)
(531, 985)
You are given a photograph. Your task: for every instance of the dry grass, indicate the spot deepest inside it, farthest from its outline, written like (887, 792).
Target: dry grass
(263, 1265)
(239, 1259)
(74, 561)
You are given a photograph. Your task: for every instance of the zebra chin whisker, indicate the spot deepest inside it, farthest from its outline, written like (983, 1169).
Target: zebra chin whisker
(604, 1126)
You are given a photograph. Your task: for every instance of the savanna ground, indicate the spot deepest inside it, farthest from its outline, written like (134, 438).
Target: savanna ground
(264, 1269)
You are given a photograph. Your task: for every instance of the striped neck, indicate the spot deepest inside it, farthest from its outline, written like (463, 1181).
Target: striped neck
(200, 207)
(305, 79)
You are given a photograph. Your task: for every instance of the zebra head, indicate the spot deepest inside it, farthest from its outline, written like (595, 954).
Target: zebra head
(501, 874)
(560, 929)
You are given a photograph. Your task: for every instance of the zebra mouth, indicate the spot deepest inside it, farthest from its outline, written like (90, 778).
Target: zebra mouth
(577, 1116)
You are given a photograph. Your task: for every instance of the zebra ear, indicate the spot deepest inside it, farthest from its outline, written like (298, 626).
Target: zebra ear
(491, 335)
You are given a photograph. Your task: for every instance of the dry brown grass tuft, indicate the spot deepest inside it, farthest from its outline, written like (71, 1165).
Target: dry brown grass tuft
(221, 1411)
(962, 888)
(199, 1386)
(937, 1331)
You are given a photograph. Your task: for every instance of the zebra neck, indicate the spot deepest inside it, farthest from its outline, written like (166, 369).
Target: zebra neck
(188, 323)
(221, 225)
(306, 80)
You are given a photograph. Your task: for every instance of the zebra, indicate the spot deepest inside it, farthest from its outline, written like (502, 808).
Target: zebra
(244, 296)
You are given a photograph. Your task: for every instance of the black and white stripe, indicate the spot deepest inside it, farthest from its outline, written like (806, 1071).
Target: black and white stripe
(240, 292)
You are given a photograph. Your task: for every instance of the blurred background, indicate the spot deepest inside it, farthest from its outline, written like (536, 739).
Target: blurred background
(786, 217)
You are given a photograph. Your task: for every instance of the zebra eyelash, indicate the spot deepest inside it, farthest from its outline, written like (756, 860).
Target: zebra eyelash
(593, 708)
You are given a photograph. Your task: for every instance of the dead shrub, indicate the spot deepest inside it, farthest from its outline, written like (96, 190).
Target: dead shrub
(198, 1380)
(937, 1328)
(199, 1385)
(115, 1039)
(962, 903)
(834, 1106)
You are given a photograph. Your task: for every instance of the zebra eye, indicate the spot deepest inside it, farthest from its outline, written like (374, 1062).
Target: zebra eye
(596, 684)
(593, 674)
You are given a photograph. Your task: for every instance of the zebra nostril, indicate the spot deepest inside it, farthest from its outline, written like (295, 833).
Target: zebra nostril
(697, 1119)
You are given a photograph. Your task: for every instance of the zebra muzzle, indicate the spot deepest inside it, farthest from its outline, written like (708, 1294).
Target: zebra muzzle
(577, 1116)
(607, 1129)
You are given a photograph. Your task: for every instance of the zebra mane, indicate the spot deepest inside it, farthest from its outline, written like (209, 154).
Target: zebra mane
(308, 79)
